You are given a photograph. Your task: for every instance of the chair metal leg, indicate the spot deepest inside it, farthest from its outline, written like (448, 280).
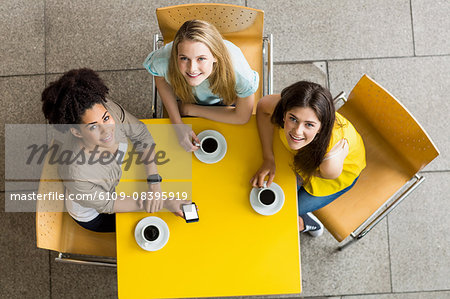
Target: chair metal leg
(267, 55)
(157, 40)
(349, 242)
(368, 225)
(339, 100)
(86, 260)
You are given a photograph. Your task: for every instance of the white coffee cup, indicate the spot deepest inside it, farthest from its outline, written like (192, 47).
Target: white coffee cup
(209, 145)
(150, 233)
(266, 196)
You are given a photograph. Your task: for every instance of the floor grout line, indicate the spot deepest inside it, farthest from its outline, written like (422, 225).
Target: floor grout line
(22, 75)
(359, 59)
(384, 293)
(389, 253)
(412, 27)
(60, 73)
(45, 85)
(45, 42)
(328, 75)
(275, 63)
(434, 171)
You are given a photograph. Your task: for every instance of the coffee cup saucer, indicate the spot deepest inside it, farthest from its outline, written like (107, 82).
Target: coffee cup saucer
(219, 154)
(160, 242)
(271, 209)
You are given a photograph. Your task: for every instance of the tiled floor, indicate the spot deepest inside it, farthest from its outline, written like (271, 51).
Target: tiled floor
(404, 45)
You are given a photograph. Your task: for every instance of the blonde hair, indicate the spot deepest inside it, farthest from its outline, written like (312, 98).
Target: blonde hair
(222, 80)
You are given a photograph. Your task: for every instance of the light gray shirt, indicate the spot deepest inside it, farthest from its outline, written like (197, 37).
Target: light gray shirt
(95, 180)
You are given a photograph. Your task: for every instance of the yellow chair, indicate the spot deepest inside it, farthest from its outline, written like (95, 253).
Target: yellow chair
(397, 148)
(241, 25)
(57, 231)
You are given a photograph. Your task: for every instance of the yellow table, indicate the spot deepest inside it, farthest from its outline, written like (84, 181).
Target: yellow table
(232, 250)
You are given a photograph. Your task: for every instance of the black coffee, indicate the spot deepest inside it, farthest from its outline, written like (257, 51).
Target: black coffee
(267, 197)
(151, 233)
(209, 145)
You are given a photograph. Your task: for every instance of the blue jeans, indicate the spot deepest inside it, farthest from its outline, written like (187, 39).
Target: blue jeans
(308, 203)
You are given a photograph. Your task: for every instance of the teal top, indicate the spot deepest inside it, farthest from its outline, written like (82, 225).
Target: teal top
(247, 80)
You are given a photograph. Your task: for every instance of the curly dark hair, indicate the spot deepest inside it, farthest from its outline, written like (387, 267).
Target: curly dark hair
(66, 100)
(308, 95)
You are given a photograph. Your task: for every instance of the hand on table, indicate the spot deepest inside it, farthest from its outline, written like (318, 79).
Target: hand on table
(152, 202)
(185, 138)
(174, 205)
(266, 169)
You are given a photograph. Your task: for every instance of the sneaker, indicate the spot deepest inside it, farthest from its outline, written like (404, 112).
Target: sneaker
(312, 225)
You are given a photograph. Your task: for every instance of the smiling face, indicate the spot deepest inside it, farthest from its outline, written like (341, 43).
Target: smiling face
(301, 126)
(96, 128)
(195, 61)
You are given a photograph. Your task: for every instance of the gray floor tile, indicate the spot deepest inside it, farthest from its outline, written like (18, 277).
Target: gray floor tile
(419, 295)
(22, 37)
(316, 30)
(419, 238)
(360, 268)
(24, 270)
(132, 89)
(20, 172)
(431, 27)
(21, 104)
(421, 84)
(22, 99)
(103, 35)
(82, 281)
(287, 74)
(20, 200)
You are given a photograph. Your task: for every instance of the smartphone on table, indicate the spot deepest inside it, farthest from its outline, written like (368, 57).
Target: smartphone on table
(190, 213)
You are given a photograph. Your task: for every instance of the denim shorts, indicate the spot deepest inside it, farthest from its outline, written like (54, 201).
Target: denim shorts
(309, 203)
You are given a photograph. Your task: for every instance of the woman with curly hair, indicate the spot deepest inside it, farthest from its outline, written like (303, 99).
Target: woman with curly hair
(208, 76)
(328, 153)
(98, 128)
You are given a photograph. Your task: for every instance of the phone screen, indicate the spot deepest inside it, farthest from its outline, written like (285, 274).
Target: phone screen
(190, 212)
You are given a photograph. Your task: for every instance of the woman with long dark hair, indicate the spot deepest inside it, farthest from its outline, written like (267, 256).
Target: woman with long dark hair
(328, 153)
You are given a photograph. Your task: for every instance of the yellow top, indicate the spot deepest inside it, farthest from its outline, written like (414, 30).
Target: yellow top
(354, 163)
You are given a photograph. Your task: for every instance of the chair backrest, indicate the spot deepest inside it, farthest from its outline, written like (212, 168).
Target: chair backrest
(242, 26)
(56, 230)
(397, 147)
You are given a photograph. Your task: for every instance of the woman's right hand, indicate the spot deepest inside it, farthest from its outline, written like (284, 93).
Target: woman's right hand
(186, 137)
(184, 133)
(266, 169)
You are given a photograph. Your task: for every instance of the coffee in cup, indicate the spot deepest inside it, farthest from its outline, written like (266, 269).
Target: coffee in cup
(209, 145)
(150, 233)
(266, 196)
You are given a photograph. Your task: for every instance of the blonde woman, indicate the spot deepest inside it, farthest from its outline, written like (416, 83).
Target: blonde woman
(200, 74)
